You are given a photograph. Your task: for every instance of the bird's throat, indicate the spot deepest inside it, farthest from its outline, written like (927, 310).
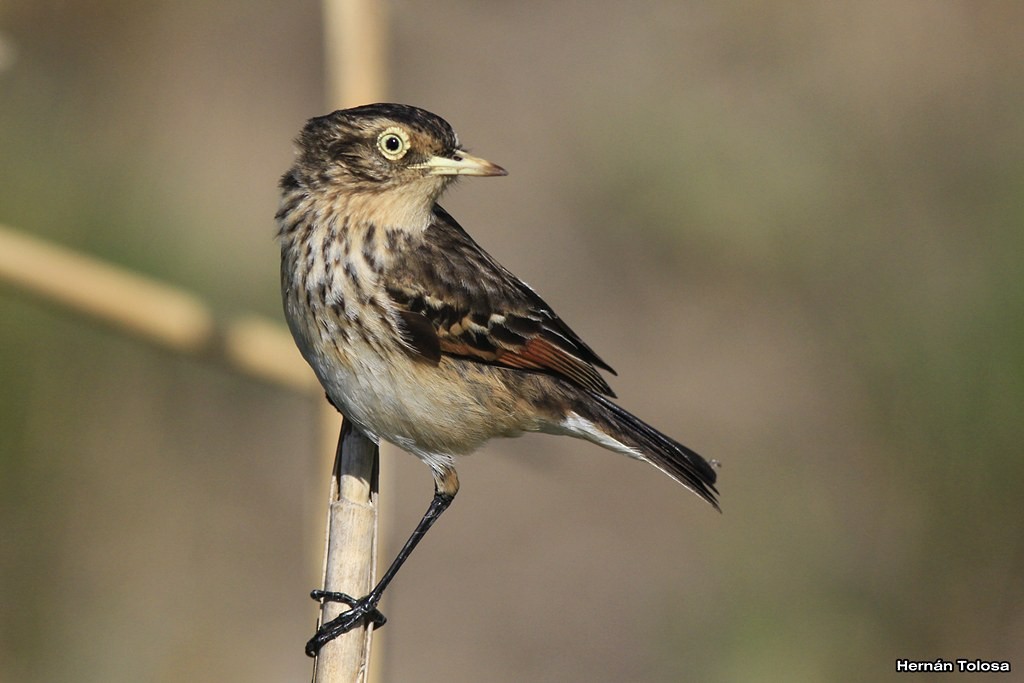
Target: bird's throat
(392, 209)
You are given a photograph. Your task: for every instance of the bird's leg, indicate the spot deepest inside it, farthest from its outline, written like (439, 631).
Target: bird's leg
(446, 485)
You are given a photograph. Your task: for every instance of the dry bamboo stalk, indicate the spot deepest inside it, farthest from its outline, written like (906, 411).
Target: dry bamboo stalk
(350, 561)
(354, 38)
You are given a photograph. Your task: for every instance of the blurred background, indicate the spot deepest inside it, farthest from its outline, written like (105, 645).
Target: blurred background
(794, 229)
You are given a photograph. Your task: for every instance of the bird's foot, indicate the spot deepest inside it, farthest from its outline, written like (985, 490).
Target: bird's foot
(361, 610)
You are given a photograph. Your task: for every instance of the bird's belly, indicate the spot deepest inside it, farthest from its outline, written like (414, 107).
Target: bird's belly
(443, 410)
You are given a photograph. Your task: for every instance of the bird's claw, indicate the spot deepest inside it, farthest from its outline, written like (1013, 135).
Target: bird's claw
(361, 610)
(332, 596)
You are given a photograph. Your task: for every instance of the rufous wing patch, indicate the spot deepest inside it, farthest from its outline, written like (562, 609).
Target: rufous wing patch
(540, 354)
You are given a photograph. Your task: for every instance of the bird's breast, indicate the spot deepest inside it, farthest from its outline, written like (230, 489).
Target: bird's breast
(332, 284)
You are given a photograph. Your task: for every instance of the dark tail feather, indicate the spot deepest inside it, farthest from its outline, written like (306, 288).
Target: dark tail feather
(668, 455)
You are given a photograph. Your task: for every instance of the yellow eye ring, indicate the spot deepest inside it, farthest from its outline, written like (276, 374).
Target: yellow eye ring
(393, 143)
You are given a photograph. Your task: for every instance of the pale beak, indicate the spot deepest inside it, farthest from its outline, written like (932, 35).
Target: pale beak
(460, 163)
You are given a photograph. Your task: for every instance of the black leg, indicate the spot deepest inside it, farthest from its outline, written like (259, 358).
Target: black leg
(365, 609)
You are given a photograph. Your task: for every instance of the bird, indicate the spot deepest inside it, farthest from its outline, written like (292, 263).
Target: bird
(418, 336)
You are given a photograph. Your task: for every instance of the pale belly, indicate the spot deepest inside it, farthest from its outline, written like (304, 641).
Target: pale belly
(431, 411)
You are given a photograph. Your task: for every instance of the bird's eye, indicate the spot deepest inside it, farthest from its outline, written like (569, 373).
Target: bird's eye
(393, 143)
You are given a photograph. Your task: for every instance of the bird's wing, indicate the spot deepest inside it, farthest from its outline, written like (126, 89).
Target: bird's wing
(454, 299)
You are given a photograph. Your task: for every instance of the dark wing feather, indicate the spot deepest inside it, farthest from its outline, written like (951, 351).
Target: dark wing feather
(493, 318)
(419, 335)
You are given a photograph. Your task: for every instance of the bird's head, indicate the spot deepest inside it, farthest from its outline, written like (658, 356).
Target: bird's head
(392, 149)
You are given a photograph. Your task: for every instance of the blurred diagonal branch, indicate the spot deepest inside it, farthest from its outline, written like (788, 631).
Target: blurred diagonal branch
(158, 313)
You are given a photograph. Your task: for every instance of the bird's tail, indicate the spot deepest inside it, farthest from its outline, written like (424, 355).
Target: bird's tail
(606, 424)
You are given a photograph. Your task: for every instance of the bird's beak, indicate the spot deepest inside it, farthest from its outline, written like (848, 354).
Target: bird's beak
(460, 163)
